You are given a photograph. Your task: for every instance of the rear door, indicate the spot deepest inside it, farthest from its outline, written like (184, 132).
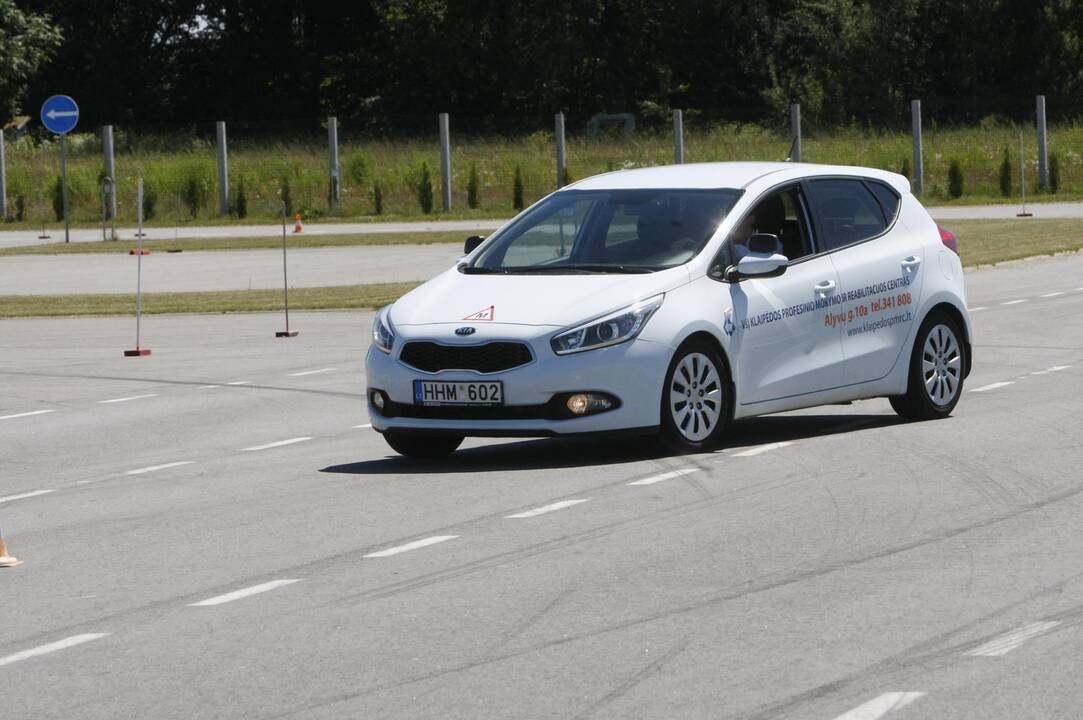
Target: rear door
(879, 263)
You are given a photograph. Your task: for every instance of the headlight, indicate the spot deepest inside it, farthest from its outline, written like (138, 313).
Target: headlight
(617, 327)
(383, 333)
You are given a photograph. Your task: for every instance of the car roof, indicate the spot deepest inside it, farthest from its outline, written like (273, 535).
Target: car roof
(710, 176)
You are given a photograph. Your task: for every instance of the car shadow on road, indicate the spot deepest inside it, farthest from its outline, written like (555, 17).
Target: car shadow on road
(579, 452)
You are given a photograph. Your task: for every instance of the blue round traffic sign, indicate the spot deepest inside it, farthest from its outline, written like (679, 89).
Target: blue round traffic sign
(59, 114)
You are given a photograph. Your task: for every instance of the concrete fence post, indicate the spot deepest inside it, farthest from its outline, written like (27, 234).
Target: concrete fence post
(562, 159)
(223, 169)
(1043, 148)
(795, 131)
(919, 158)
(332, 144)
(3, 180)
(110, 171)
(678, 137)
(445, 159)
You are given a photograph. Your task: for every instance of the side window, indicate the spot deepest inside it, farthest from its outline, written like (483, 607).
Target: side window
(847, 212)
(780, 214)
(889, 199)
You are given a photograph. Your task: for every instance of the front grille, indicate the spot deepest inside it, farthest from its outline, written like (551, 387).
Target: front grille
(490, 357)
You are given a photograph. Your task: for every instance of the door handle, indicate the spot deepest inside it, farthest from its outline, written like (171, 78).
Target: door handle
(911, 263)
(825, 287)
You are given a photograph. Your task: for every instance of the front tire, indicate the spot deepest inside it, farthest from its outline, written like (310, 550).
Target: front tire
(937, 362)
(697, 401)
(423, 447)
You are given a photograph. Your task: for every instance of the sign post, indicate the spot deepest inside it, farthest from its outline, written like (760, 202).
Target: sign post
(285, 283)
(139, 351)
(59, 114)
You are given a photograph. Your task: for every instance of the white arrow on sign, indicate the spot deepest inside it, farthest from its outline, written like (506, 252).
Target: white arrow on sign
(52, 114)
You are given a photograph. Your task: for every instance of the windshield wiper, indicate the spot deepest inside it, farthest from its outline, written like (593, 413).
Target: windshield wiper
(478, 270)
(599, 269)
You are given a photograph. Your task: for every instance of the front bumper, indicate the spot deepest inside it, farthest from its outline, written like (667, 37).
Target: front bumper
(632, 372)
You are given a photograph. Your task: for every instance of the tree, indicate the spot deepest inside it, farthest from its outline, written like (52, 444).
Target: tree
(27, 42)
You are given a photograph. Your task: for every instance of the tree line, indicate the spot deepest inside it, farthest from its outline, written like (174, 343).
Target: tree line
(387, 63)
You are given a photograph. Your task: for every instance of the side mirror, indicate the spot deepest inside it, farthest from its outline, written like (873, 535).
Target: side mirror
(472, 243)
(757, 265)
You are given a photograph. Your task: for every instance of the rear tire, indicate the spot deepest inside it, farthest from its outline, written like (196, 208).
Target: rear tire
(937, 362)
(423, 447)
(697, 401)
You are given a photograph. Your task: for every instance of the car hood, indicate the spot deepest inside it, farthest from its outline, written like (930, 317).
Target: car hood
(542, 300)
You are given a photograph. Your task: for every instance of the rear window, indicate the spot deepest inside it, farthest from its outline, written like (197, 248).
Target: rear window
(846, 211)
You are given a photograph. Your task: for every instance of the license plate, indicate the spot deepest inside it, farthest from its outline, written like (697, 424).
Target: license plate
(432, 392)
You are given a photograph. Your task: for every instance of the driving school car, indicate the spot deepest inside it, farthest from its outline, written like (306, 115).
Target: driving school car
(673, 300)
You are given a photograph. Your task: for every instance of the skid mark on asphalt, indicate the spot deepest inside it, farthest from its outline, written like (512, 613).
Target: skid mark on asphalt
(553, 507)
(881, 706)
(1010, 641)
(51, 647)
(244, 592)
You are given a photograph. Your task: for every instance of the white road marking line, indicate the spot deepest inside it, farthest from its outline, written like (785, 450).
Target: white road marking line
(1014, 302)
(976, 309)
(1055, 368)
(207, 387)
(23, 496)
(152, 468)
(243, 593)
(240, 382)
(312, 372)
(993, 386)
(362, 427)
(25, 414)
(51, 647)
(665, 476)
(1053, 294)
(1012, 640)
(425, 542)
(126, 399)
(280, 443)
(878, 707)
(762, 449)
(547, 509)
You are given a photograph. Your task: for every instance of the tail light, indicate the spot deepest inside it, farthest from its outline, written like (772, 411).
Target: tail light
(948, 238)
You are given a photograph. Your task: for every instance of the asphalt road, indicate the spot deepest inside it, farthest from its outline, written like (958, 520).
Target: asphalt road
(199, 547)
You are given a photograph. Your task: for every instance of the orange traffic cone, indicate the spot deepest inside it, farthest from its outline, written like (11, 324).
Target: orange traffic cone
(5, 559)
(297, 227)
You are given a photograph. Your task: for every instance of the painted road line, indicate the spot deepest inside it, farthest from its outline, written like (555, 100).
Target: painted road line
(425, 542)
(1010, 641)
(362, 427)
(207, 387)
(243, 593)
(240, 382)
(1053, 294)
(760, 449)
(547, 509)
(881, 706)
(665, 476)
(312, 372)
(25, 414)
(1055, 368)
(993, 386)
(23, 496)
(280, 443)
(152, 468)
(1014, 302)
(51, 647)
(976, 309)
(126, 399)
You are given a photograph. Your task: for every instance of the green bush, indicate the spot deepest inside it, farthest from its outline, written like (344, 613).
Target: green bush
(904, 169)
(194, 192)
(424, 189)
(955, 179)
(1054, 173)
(20, 207)
(1006, 175)
(57, 196)
(377, 198)
(150, 202)
(357, 169)
(517, 190)
(472, 187)
(240, 204)
(284, 195)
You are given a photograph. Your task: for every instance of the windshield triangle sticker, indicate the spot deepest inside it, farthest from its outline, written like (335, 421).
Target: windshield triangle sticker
(484, 314)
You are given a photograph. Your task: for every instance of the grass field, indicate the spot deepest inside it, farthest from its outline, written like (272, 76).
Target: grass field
(981, 242)
(179, 168)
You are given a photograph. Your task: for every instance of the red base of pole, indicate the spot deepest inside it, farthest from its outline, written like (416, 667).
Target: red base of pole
(138, 352)
(290, 333)
(139, 251)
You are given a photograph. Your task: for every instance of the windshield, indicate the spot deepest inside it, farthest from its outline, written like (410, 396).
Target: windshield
(607, 231)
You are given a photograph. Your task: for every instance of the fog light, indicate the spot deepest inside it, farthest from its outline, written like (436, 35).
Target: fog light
(378, 400)
(578, 403)
(585, 403)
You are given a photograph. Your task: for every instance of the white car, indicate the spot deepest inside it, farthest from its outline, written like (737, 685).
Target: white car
(672, 300)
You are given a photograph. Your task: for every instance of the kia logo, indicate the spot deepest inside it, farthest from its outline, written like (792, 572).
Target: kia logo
(463, 331)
